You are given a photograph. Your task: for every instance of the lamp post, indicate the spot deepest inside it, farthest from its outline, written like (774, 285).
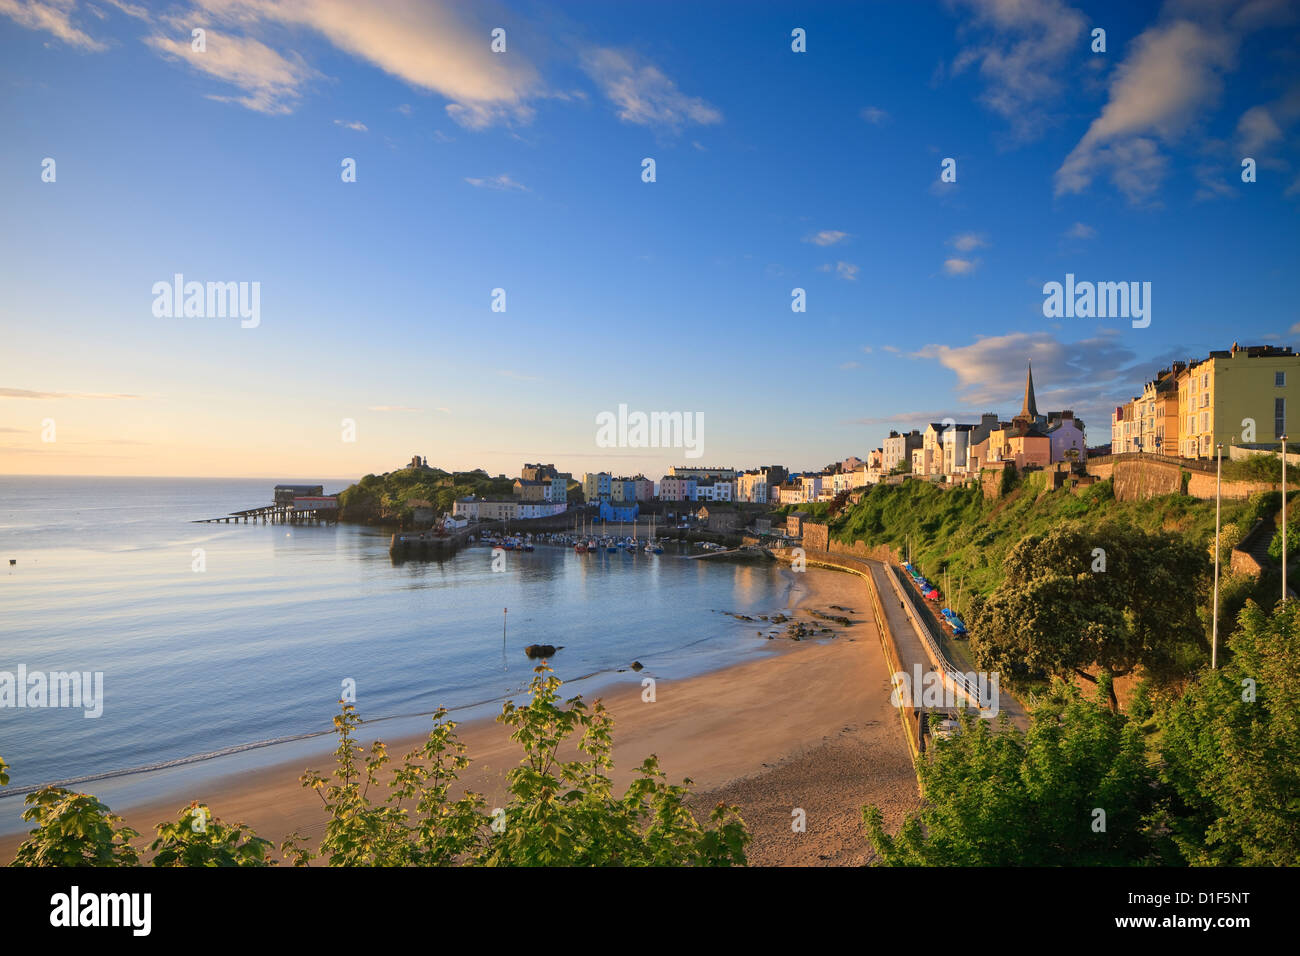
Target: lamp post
(1214, 640)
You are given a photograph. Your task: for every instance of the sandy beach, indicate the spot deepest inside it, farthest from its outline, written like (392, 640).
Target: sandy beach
(806, 726)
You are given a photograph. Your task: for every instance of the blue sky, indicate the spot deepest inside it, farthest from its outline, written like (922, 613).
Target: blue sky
(522, 170)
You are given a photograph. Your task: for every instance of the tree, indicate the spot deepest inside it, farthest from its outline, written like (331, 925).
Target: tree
(999, 797)
(74, 829)
(1115, 598)
(199, 839)
(1229, 749)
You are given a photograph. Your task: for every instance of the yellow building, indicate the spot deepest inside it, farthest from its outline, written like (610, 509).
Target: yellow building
(1240, 396)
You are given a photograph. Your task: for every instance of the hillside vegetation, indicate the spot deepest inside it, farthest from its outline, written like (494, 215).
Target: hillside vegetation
(386, 498)
(958, 531)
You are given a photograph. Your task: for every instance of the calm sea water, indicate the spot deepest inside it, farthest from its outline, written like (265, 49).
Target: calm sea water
(255, 647)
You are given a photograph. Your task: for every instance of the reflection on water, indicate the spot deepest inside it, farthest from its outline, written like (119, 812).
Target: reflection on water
(255, 647)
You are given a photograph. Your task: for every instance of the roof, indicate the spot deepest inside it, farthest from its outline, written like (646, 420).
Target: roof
(1030, 406)
(297, 487)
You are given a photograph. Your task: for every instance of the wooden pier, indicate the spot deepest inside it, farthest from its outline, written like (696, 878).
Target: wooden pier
(276, 514)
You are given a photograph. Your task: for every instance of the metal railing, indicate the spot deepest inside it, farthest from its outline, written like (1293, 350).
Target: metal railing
(958, 677)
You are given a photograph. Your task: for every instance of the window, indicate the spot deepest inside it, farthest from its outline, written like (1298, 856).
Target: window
(1205, 380)
(1279, 379)
(1279, 417)
(1205, 421)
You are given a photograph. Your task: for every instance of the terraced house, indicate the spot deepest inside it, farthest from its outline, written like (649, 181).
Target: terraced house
(1238, 396)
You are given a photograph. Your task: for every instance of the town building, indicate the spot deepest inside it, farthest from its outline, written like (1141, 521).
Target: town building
(1237, 396)
(709, 473)
(897, 449)
(284, 494)
(714, 491)
(619, 510)
(719, 517)
(1066, 437)
(466, 508)
(596, 486)
(532, 490)
(676, 488)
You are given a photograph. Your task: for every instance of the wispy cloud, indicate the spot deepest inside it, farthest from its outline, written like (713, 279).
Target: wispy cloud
(31, 393)
(1085, 375)
(357, 125)
(967, 241)
(433, 45)
(1019, 48)
(1080, 230)
(956, 266)
(874, 115)
(1165, 89)
(827, 237)
(53, 17)
(503, 181)
(270, 83)
(643, 94)
(844, 270)
(846, 366)
(517, 376)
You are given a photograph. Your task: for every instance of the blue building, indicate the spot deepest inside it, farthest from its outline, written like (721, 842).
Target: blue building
(619, 510)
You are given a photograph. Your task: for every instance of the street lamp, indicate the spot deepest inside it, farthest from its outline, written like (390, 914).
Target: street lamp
(1218, 501)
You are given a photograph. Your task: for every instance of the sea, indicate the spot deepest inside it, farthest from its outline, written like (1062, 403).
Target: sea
(215, 640)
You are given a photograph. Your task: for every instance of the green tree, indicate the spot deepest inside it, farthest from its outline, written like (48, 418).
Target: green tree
(1000, 797)
(199, 839)
(74, 829)
(1229, 749)
(1113, 597)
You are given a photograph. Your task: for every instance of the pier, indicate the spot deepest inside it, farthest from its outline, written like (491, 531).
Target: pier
(276, 514)
(294, 504)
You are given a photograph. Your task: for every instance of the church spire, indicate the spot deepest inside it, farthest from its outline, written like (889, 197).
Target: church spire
(1030, 408)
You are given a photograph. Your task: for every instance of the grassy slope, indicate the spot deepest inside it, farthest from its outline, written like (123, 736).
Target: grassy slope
(958, 530)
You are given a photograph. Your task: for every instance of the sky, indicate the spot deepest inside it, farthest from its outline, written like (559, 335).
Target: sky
(523, 170)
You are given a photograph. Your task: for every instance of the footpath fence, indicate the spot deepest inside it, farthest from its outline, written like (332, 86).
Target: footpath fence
(960, 680)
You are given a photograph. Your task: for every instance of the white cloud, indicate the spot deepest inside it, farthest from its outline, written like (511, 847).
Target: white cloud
(1088, 376)
(967, 241)
(846, 366)
(874, 114)
(431, 44)
(52, 16)
(1020, 48)
(271, 83)
(643, 94)
(959, 267)
(845, 270)
(357, 125)
(827, 237)
(1080, 230)
(503, 181)
(1162, 89)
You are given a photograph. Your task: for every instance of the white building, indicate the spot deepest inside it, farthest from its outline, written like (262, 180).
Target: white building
(714, 491)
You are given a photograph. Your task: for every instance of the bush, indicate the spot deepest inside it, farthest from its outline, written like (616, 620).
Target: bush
(559, 813)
